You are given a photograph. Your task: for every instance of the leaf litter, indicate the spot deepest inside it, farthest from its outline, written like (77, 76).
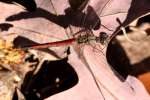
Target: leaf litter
(87, 26)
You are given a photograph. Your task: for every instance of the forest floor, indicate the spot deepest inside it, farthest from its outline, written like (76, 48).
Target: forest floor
(133, 54)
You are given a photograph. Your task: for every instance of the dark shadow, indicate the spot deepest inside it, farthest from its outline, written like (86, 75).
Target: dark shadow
(15, 96)
(5, 26)
(141, 67)
(148, 31)
(145, 19)
(44, 84)
(118, 59)
(71, 17)
(21, 42)
(30, 5)
(137, 8)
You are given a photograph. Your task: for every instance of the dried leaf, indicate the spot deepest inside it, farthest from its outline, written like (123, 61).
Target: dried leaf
(101, 16)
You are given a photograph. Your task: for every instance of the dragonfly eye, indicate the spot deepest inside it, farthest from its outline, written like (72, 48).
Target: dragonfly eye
(102, 38)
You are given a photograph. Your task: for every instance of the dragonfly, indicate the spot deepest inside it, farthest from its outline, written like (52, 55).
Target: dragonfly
(83, 36)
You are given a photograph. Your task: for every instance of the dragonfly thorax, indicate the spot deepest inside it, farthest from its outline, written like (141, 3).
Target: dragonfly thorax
(85, 37)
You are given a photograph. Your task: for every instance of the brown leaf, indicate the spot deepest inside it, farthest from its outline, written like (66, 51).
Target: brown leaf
(101, 16)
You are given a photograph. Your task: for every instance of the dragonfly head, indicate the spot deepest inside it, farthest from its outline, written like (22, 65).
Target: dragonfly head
(102, 38)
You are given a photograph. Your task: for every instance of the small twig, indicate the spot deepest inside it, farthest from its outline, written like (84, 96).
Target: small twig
(125, 34)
